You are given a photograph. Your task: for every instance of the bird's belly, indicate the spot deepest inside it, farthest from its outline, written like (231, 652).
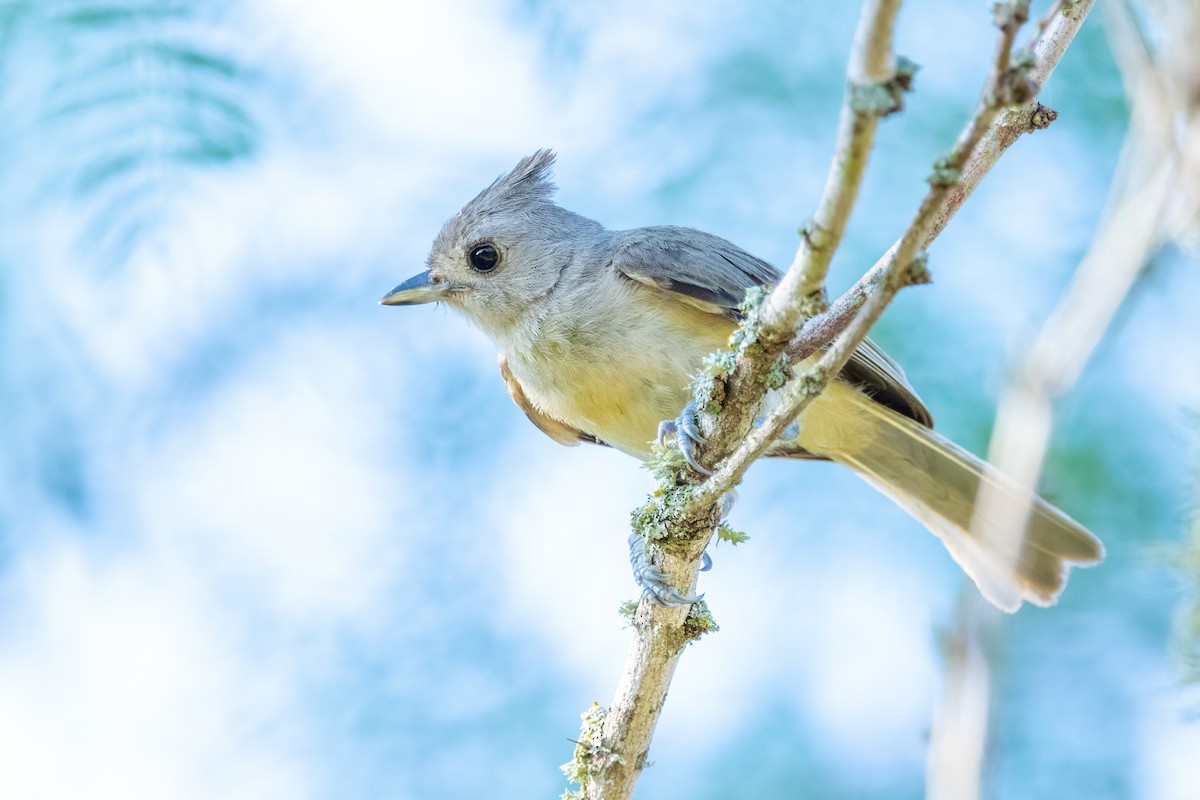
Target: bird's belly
(620, 404)
(619, 386)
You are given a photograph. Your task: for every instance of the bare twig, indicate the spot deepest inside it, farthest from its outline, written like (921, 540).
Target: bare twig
(1025, 417)
(1153, 199)
(1149, 186)
(901, 266)
(1055, 32)
(875, 88)
(958, 741)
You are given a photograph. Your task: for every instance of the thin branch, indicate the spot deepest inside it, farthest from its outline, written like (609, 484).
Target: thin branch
(1153, 175)
(958, 740)
(1024, 418)
(900, 267)
(1055, 32)
(875, 89)
(612, 766)
(1136, 221)
(812, 381)
(628, 725)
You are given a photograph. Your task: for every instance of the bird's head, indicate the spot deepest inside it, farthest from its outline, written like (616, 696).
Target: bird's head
(502, 252)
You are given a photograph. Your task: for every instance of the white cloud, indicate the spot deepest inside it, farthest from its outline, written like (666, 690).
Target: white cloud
(125, 679)
(283, 477)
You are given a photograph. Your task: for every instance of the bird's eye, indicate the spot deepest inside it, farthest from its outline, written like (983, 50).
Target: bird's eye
(484, 257)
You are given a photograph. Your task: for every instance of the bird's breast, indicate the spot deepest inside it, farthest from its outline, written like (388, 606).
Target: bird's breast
(616, 375)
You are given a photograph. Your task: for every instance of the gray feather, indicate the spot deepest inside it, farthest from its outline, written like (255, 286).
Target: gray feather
(713, 274)
(707, 270)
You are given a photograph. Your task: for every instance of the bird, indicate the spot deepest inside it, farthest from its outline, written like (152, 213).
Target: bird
(599, 332)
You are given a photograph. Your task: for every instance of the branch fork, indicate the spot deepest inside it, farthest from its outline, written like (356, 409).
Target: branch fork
(793, 322)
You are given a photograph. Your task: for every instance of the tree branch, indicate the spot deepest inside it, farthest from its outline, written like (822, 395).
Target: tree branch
(680, 516)
(875, 88)
(1138, 218)
(901, 266)
(958, 741)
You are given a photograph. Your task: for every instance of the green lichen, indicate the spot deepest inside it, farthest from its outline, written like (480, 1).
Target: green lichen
(906, 72)
(627, 610)
(668, 466)
(755, 296)
(708, 385)
(653, 520)
(886, 97)
(1023, 59)
(667, 514)
(779, 373)
(874, 98)
(746, 334)
(946, 172)
(719, 365)
(699, 621)
(589, 752)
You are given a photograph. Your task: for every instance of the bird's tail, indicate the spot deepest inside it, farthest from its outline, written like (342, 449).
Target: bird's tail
(936, 481)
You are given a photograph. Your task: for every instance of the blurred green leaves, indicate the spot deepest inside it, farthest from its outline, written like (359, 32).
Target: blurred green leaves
(129, 103)
(1187, 630)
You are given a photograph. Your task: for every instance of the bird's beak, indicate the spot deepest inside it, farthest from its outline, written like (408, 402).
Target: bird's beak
(418, 289)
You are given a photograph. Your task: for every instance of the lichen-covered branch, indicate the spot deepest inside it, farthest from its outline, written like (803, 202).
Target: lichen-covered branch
(681, 516)
(873, 90)
(875, 87)
(903, 265)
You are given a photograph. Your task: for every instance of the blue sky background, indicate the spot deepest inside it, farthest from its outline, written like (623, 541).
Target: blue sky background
(260, 537)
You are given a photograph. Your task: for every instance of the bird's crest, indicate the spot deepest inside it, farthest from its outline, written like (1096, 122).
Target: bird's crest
(506, 205)
(528, 182)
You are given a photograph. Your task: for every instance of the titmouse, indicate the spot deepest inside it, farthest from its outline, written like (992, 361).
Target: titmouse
(599, 332)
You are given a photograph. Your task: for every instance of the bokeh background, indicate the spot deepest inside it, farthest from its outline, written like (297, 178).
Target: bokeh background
(260, 537)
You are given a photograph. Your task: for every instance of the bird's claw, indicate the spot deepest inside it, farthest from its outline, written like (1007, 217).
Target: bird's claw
(654, 584)
(687, 435)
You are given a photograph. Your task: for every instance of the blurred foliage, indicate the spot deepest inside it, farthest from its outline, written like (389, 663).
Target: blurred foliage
(1187, 634)
(109, 111)
(132, 97)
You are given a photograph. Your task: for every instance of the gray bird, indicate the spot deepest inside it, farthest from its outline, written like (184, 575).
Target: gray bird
(599, 332)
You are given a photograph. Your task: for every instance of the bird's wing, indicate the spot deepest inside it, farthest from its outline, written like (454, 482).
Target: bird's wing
(557, 430)
(713, 274)
(877, 374)
(705, 271)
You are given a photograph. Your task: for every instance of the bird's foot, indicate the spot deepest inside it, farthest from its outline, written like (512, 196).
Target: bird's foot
(687, 434)
(654, 584)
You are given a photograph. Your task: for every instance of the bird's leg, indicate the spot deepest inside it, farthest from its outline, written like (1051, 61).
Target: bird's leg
(687, 434)
(653, 582)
